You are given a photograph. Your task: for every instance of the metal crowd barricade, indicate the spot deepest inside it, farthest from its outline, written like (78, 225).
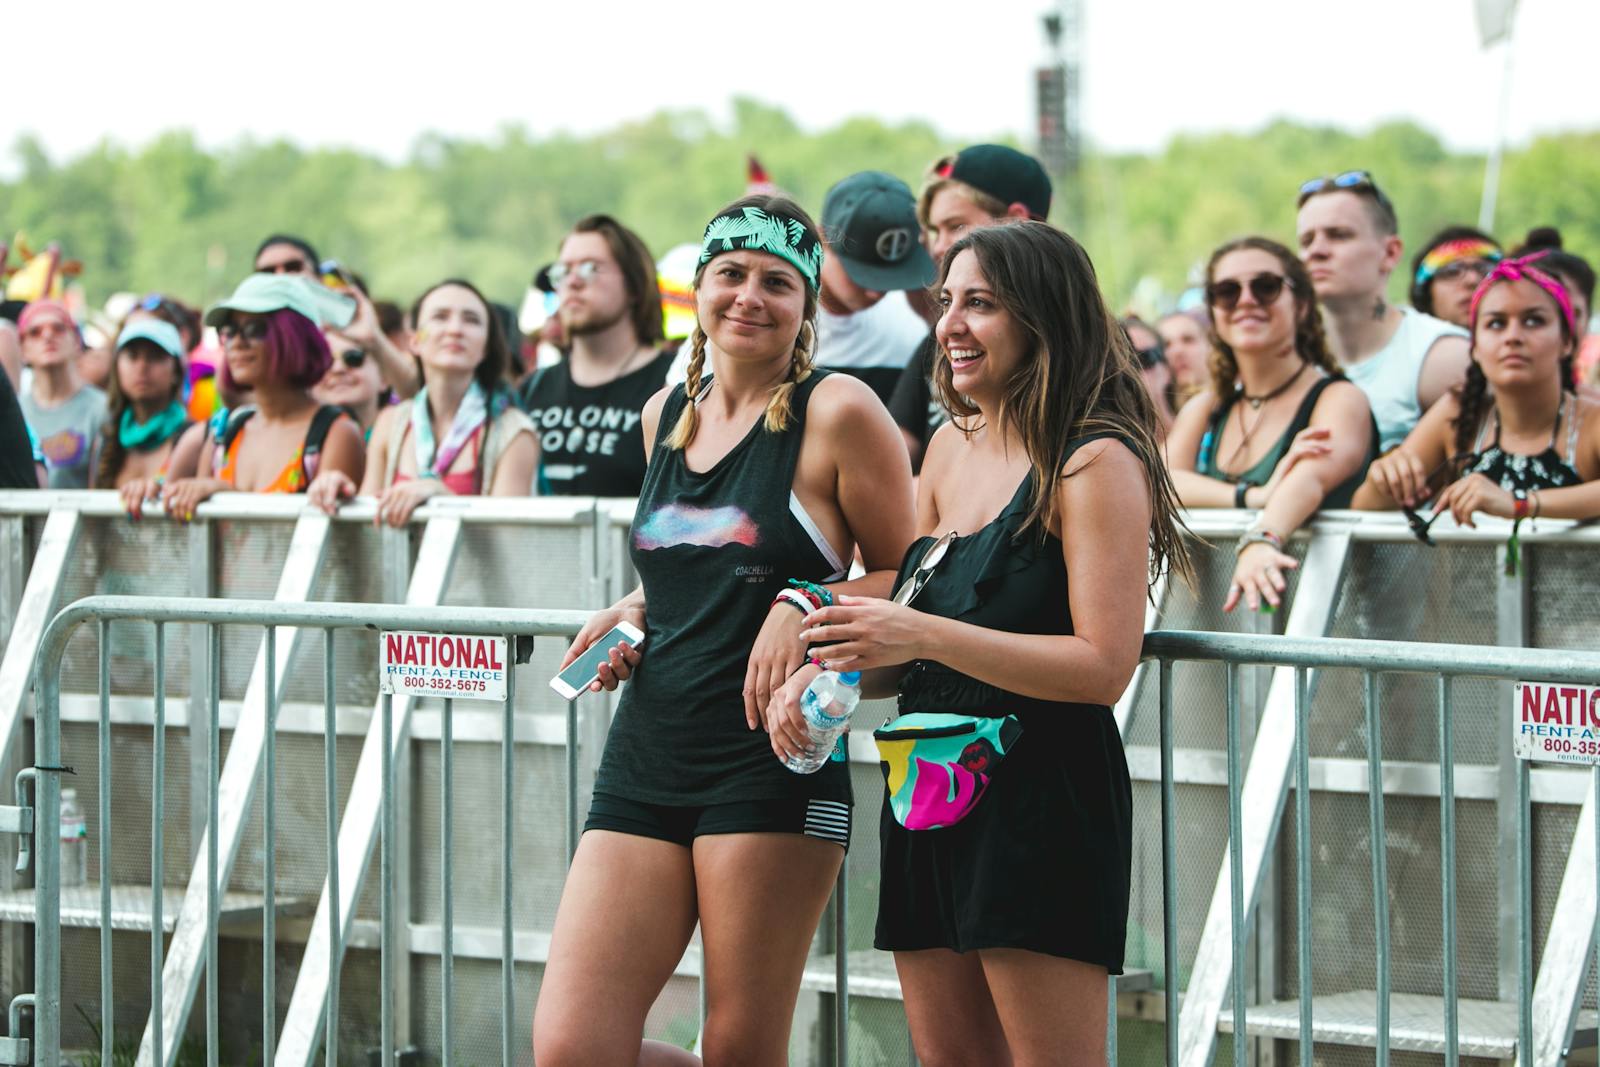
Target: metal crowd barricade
(1553, 1002)
(270, 616)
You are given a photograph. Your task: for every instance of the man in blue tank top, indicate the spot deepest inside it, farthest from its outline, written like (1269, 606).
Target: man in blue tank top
(1402, 359)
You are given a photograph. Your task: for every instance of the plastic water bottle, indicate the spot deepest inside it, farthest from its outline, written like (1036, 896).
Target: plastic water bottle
(826, 704)
(74, 840)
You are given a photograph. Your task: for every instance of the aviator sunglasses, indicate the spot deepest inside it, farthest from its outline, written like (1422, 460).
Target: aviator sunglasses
(1265, 288)
(1356, 181)
(930, 559)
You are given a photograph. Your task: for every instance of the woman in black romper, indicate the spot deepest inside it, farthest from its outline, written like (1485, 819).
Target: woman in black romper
(761, 470)
(1005, 925)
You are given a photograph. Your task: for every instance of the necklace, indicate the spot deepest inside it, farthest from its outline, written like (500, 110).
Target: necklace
(1256, 401)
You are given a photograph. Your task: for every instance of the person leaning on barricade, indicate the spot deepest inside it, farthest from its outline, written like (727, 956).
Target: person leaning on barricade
(1045, 512)
(1516, 440)
(764, 477)
(145, 415)
(458, 436)
(1279, 429)
(1574, 272)
(273, 353)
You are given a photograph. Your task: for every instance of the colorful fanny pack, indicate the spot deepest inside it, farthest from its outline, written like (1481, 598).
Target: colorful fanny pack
(937, 766)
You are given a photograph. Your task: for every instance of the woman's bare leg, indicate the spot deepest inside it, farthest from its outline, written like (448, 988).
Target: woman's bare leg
(627, 912)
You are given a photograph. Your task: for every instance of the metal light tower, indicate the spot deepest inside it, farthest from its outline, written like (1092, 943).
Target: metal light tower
(1059, 116)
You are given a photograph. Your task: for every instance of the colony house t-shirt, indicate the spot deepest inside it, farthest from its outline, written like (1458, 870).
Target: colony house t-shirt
(590, 441)
(67, 434)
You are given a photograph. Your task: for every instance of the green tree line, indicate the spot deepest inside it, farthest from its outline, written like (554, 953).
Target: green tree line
(173, 217)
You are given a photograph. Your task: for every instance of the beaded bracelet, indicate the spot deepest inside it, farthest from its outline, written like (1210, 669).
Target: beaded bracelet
(818, 591)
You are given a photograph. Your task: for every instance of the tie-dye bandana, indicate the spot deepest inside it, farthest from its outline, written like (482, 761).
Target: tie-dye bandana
(937, 766)
(753, 229)
(1451, 251)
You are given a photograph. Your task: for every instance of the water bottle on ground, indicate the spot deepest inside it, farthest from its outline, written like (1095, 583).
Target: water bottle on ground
(74, 840)
(826, 705)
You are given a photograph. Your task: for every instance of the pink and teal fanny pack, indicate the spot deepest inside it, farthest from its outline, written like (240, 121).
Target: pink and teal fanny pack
(937, 766)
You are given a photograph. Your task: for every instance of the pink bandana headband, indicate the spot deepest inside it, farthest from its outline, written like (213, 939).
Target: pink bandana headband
(1522, 269)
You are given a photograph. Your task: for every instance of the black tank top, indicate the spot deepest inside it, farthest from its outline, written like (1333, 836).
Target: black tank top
(1261, 473)
(1512, 471)
(590, 441)
(712, 549)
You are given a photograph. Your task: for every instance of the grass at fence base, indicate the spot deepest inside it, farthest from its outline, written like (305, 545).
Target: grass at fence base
(125, 1049)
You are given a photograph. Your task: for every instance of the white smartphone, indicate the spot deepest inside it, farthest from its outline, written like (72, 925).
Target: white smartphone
(581, 671)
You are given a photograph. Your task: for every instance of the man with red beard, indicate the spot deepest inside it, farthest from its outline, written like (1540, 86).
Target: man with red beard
(586, 408)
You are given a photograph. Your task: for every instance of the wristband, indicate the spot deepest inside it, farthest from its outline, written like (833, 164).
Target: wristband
(1538, 502)
(796, 599)
(1239, 490)
(1519, 506)
(1258, 537)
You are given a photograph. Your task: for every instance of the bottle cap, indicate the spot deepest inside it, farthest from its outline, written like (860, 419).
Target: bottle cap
(850, 677)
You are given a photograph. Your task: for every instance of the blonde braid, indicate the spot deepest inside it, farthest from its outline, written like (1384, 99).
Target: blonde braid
(689, 420)
(805, 344)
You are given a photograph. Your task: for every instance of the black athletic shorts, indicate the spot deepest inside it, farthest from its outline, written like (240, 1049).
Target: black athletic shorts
(825, 819)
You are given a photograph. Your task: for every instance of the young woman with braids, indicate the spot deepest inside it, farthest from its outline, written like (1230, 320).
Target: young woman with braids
(1514, 440)
(1279, 429)
(763, 474)
(1005, 924)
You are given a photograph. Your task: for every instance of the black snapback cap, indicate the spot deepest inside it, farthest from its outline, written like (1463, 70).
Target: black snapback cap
(1009, 176)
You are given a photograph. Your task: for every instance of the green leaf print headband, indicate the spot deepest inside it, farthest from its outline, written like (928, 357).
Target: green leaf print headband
(753, 229)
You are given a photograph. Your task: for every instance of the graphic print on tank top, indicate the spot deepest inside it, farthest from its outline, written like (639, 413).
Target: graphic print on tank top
(712, 549)
(673, 525)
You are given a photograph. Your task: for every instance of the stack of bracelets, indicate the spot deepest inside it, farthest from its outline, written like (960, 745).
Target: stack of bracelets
(805, 597)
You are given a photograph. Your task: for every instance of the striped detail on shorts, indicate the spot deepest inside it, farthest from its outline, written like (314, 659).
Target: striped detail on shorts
(829, 820)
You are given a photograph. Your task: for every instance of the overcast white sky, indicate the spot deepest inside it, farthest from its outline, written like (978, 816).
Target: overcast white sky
(373, 75)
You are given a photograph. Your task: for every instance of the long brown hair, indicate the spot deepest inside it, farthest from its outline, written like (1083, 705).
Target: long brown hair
(1310, 342)
(1081, 378)
(638, 273)
(778, 412)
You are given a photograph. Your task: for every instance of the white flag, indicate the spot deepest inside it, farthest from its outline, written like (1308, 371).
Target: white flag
(1494, 20)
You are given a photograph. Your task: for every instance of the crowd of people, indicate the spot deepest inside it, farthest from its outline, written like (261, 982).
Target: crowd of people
(911, 439)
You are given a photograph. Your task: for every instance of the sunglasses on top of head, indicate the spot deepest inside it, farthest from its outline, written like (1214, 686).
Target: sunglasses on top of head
(1355, 181)
(1264, 289)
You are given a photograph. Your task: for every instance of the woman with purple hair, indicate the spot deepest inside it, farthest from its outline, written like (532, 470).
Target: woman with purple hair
(1514, 440)
(273, 353)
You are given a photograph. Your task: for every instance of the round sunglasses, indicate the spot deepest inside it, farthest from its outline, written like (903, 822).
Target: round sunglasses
(1264, 289)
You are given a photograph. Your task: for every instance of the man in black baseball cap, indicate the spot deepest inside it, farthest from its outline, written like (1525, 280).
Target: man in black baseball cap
(980, 185)
(872, 254)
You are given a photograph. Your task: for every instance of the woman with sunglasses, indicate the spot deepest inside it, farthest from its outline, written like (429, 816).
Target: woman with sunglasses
(145, 416)
(354, 381)
(1447, 270)
(274, 353)
(1279, 429)
(763, 472)
(458, 436)
(1005, 923)
(1515, 440)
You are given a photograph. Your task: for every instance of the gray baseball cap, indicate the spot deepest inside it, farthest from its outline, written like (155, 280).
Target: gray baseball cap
(870, 222)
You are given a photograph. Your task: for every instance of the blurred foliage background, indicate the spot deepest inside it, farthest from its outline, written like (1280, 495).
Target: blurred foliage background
(174, 217)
